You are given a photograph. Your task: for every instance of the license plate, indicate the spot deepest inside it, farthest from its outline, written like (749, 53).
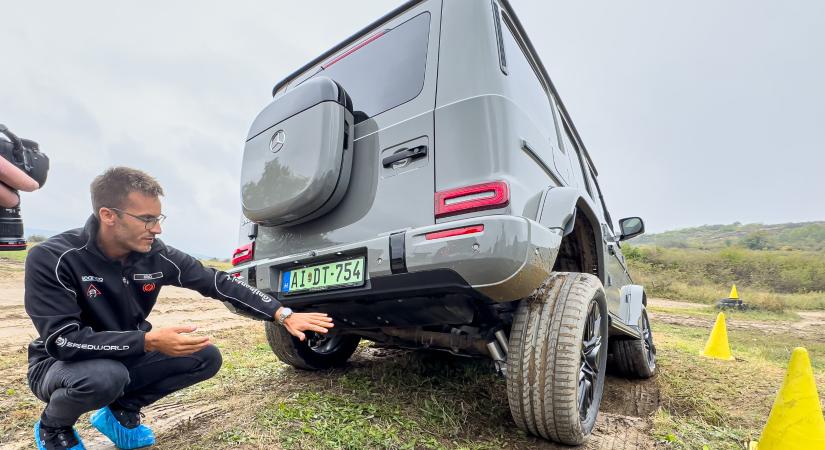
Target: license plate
(346, 273)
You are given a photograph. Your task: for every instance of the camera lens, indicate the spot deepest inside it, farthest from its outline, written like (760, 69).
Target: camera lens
(11, 229)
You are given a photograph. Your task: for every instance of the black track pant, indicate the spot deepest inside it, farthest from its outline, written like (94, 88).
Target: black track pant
(71, 388)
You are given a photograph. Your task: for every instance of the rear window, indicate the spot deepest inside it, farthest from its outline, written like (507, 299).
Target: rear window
(387, 71)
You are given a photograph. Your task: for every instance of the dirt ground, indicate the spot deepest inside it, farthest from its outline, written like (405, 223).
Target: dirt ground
(624, 422)
(811, 324)
(175, 306)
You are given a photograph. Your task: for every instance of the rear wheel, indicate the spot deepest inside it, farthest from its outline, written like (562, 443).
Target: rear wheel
(557, 357)
(635, 358)
(317, 352)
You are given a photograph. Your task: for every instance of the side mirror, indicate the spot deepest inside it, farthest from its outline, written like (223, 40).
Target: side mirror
(631, 227)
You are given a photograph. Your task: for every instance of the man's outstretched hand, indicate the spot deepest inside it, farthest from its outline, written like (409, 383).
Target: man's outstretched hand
(171, 341)
(297, 323)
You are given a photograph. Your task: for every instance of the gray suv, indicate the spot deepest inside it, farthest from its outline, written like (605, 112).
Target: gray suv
(423, 183)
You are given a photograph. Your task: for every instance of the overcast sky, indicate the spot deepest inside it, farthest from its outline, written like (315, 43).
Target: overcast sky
(694, 112)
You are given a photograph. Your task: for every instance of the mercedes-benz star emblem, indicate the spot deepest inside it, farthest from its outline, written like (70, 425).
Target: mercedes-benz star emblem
(277, 141)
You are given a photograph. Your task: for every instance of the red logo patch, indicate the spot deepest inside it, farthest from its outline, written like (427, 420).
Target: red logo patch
(149, 287)
(92, 291)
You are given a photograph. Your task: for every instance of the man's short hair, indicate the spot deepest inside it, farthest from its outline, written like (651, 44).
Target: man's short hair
(111, 189)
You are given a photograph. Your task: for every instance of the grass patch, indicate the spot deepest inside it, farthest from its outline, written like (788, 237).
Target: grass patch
(386, 398)
(397, 399)
(691, 433)
(326, 420)
(217, 264)
(749, 346)
(19, 256)
(721, 404)
(19, 408)
(416, 400)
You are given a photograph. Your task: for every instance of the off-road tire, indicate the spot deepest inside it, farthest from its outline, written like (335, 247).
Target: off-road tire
(635, 358)
(544, 361)
(301, 355)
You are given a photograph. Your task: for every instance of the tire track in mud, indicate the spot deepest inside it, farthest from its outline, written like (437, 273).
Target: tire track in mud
(163, 417)
(624, 421)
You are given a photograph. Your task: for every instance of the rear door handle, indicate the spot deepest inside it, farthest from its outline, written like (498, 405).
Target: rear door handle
(411, 153)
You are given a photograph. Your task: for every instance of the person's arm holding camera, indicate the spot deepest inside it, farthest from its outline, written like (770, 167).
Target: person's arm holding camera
(12, 178)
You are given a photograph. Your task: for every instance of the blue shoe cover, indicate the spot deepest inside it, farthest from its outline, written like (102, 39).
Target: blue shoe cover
(42, 445)
(122, 437)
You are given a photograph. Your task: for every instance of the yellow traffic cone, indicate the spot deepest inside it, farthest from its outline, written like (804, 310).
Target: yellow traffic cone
(717, 346)
(733, 293)
(796, 420)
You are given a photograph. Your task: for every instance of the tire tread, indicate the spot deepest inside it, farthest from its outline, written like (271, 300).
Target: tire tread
(542, 376)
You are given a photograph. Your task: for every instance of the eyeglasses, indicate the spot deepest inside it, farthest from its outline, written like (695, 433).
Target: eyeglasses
(148, 222)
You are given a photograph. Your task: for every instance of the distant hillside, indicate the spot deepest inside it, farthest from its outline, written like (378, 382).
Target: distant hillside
(39, 232)
(808, 236)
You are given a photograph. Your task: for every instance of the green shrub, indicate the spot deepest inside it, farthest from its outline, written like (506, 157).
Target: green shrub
(771, 280)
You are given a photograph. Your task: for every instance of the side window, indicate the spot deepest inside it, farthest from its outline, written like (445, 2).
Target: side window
(386, 70)
(526, 89)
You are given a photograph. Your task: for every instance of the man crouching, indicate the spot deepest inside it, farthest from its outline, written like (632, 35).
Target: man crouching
(89, 291)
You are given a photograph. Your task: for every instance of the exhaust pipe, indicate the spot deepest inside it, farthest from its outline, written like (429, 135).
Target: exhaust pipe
(456, 341)
(498, 356)
(502, 341)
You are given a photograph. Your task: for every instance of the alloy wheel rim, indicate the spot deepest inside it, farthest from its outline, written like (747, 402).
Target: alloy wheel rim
(647, 339)
(323, 344)
(591, 352)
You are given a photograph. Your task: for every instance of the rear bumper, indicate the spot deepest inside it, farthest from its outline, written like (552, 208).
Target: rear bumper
(506, 261)
(416, 299)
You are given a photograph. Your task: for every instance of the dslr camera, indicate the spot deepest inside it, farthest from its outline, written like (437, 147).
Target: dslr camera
(26, 155)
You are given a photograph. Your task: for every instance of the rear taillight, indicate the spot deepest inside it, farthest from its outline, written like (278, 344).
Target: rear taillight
(354, 49)
(454, 232)
(243, 253)
(477, 197)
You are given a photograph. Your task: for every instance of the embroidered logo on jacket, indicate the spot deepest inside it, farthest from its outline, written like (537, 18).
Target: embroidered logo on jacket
(148, 287)
(92, 291)
(92, 278)
(62, 342)
(147, 276)
(255, 291)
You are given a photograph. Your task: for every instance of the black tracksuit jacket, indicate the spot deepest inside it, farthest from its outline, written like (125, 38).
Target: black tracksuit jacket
(85, 305)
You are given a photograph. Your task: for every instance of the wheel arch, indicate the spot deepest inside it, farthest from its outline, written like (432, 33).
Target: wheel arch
(565, 209)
